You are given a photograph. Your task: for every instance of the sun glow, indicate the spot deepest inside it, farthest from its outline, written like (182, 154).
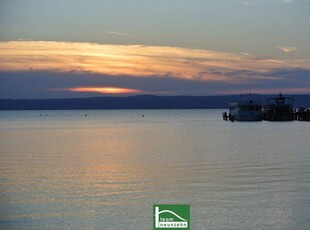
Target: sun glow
(104, 90)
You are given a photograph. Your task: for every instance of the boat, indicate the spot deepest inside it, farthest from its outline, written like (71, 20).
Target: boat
(244, 110)
(279, 109)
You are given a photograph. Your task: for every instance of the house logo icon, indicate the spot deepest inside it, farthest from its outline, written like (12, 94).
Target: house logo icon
(169, 216)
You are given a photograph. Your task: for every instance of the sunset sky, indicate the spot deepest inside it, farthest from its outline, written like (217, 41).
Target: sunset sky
(83, 48)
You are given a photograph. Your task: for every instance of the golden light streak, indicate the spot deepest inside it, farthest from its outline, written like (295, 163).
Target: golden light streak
(137, 61)
(104, 90)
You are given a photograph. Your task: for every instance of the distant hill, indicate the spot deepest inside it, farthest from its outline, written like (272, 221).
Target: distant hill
(138, 102)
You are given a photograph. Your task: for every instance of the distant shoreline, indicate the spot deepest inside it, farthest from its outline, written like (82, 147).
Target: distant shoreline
(140, 102)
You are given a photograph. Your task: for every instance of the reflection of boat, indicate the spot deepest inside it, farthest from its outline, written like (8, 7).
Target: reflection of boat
(279, 109)
(248, 110)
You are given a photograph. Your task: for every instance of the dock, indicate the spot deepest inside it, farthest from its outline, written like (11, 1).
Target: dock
(302, 114)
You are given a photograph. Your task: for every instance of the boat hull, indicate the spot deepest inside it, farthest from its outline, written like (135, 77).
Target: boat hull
(248, 118)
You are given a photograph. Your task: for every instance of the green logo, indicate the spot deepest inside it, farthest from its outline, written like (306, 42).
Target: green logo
(167, 216)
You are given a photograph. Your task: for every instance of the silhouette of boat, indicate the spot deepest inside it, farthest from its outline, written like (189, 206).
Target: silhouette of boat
(279, 109)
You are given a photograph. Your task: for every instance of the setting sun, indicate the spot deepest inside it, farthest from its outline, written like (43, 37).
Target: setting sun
(105, 90)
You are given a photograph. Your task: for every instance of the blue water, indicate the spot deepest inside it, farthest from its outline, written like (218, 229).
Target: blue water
(65, 170)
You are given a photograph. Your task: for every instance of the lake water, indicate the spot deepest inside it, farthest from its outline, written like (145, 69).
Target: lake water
(65, 170)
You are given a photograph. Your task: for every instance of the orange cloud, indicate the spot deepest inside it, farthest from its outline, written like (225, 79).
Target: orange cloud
(104, 90)
(287, 49)
(138, 61)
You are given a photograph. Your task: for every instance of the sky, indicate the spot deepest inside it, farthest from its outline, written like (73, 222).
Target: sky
(84, 48)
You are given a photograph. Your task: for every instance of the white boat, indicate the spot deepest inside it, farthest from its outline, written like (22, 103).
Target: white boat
(245, 111)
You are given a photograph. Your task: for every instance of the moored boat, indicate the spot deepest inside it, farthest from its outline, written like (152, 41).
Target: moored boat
(247, 110)
(279, 109)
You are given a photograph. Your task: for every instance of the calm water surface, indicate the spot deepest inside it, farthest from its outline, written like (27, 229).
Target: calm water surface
(65, 170)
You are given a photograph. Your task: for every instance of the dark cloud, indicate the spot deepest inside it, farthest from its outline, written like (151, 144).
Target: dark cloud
(292, 74)
(36, 84)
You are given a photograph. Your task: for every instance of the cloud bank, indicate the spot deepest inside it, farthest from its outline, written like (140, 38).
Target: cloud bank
(137, 68)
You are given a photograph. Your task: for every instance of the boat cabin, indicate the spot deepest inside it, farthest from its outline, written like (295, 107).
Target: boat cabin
(246, 110)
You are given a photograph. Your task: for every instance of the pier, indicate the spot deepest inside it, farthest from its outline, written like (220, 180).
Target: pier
(302, 114)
